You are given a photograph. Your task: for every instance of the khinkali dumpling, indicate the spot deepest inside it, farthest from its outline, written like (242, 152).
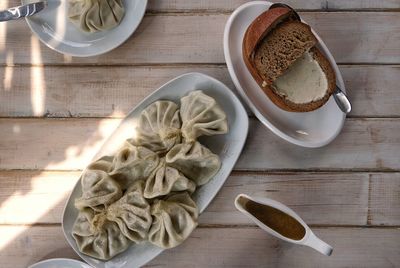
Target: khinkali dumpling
(201, 115)
(174, 220)
(195, 161)
(96, 15)
(133, 163)
(98, 190)
(104, 163)
(132, 213)
(98, 237)
(159, 127)
(167, 179)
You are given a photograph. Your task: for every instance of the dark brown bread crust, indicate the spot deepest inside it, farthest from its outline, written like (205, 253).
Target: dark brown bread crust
(254, 35)
(256, 32)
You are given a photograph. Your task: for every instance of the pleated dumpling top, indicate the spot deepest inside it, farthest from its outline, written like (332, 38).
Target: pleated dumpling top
(159, 127)
(174, 219)
(96, 15)
(106, 233)
(201, 116)
(195, 161)
(97, 236)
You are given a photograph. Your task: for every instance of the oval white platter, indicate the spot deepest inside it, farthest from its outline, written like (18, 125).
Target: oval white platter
(54, 29)
(312, 129)
(228, 147)
(60, 263)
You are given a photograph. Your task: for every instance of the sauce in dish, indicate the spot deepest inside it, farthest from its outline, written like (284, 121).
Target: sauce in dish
(275, 219)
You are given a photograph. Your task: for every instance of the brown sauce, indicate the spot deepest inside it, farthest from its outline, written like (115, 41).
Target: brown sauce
(275, 219)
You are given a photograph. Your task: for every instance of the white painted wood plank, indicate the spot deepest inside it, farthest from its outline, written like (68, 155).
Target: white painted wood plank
(317, 197)
(353, 247)
(114, 91)
(223, 247)
(361, 37)
(31, 197)
(69, 144)
(228, 5)
(362, 144)
(385, 199)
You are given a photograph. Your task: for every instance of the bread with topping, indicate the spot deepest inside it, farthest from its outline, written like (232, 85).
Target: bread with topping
(281, 55)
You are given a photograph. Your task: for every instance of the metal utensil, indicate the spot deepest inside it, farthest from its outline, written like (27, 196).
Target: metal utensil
(15, 13)
(340, 97)
(341, 100)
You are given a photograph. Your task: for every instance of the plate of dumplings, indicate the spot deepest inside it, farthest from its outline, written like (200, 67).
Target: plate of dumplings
(146, 187)
(85, 28)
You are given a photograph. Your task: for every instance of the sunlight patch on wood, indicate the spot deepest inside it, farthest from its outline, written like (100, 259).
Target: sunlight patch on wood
(8, 71)
(18, 206)
(82, 153)
(38, 86)
(67, 58)
(16, 129)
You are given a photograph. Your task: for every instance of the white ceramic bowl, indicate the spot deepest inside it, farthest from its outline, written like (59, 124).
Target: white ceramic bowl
(60, 263)
(54, 29)
(228, 147)
(311, 129)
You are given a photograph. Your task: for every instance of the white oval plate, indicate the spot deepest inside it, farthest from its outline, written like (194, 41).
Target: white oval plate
(60, 263)
(54, 29)
(228, 147)
(312, 129)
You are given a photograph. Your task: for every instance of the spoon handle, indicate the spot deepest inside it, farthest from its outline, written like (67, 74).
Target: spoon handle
(341, 100)
(314, 242)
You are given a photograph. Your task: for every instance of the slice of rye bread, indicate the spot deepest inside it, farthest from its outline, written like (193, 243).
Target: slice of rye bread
(273, 42)
(281, 48)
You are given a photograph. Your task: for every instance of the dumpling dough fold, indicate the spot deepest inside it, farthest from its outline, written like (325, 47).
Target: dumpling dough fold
(103, 163)
(159, 127)
(132, 213)
(133, 163)
(98, 237)
(96, 15)
(99, 190)
(195, 161)
(174, 220)
(201, 115)
(166, 179)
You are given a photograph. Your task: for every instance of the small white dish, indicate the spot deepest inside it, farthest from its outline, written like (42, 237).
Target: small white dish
(228, 147)
(54, 29)
(60, 263)
(312, 129)
(309, 239)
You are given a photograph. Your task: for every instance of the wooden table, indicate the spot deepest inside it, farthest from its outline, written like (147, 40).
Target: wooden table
(56, 111)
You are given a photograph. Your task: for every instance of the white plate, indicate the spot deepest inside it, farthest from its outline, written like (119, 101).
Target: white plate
(228, 147)
(60, 263)
(312, 129)
(54, 29)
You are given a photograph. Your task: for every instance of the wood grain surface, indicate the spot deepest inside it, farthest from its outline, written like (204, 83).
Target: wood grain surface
(372, 89)
(229, 5)
(225, 247)
(56, 111)
(70, 144)
(361, 37)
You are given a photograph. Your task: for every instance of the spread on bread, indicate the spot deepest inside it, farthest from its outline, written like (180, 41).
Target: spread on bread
(281, 55)
(304, 81)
